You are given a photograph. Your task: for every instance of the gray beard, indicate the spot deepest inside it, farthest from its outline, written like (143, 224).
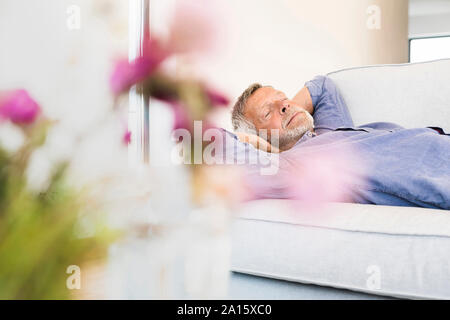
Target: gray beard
(293, 135)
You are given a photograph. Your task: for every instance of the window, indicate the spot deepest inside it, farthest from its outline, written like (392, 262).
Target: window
(430, 48)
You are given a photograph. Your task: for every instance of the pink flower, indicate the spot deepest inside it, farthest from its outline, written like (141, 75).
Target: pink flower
(322, 177)
(127, 137)
(182, 120)
(126, 74)
(216, 98)
(18, 107)
(181, 117)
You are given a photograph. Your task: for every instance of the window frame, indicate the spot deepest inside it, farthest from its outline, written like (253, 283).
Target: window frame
(138, 30)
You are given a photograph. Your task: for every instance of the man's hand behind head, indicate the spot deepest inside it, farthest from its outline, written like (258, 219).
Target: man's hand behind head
(257, 142)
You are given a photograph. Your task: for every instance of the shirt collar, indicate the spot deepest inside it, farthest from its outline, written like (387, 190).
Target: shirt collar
(308, 135)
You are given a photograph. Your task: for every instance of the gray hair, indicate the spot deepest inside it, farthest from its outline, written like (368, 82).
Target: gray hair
(240, 123)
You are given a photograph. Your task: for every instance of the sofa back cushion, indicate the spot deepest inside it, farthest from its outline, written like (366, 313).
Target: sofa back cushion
(411, 95)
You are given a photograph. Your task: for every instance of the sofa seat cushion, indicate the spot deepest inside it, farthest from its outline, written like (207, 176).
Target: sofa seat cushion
(394, 251)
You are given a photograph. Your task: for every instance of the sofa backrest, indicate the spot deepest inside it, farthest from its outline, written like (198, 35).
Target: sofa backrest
(412, 95)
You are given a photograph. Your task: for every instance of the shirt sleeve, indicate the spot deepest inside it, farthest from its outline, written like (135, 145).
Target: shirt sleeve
(330, 109)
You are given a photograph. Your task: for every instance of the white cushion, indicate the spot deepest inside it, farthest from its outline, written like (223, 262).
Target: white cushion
(412, 95)
(345, 246)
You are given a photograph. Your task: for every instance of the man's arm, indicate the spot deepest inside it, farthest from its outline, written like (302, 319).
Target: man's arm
(303, 98)
(326, 103)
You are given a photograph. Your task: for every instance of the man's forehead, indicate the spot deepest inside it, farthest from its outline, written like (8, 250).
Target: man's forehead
(260, 96)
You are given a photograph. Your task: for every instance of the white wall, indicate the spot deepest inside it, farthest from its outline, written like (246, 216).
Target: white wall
(278, 42)
(429, 25)
(287, 42)
(429, 18)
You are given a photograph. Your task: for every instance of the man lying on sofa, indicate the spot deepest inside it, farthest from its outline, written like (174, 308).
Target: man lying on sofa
(408, 167)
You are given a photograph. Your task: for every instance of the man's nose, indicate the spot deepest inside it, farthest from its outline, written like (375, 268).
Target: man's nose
(284, 107)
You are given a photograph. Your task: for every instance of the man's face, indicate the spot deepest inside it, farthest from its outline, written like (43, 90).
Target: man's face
(268, 108)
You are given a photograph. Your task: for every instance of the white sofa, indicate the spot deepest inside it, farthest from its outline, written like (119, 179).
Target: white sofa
(392, 251)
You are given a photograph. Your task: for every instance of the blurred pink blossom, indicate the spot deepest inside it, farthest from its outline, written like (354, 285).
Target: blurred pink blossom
(181, 117)
(126, 74)
(182, 120)
(194, 27)
(127, 137)
(18, 107)
(206, 125)
(216, 98)
(322, 177)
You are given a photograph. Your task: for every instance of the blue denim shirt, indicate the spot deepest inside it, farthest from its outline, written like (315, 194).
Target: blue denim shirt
(405, 167)
(408, 167)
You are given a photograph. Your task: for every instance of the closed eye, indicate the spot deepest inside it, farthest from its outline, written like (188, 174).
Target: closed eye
(267, 115)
